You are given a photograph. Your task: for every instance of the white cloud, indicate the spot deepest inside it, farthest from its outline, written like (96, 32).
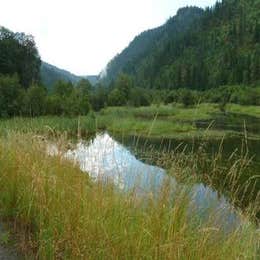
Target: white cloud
(83, 35)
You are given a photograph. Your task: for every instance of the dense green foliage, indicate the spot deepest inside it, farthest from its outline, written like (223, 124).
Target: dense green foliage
(18, 54)
(10, 93)
(125, 93)
(242, 95)
(68, 99)
(65, 99)
(196, 49)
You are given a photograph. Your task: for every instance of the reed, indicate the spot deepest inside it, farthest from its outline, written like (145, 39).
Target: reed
(58, 212)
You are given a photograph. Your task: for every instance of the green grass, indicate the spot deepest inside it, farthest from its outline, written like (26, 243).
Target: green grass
(173, 112)
(245, 110)
(171, 121)
(52, 125)
(59, 213)
(88, 125)
(156, 128)
(202, 111)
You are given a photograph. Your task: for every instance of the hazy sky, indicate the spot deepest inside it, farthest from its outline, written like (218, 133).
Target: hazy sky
(83, 35)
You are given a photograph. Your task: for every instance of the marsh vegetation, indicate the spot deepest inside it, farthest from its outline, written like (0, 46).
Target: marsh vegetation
(60, 208)
(57, 211)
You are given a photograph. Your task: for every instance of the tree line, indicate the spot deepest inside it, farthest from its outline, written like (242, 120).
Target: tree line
(66, 99)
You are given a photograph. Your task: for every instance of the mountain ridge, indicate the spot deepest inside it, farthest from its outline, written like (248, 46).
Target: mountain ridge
(146, 41)
(196, 49)
(50, 74)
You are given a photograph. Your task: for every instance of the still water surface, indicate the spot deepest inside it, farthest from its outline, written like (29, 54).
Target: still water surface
(105, 158)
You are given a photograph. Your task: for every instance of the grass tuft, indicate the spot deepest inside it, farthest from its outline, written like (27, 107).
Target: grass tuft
(60, 213)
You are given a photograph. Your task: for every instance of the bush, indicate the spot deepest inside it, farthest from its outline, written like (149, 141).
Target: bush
(172, 97)
(187, 97)
(139, 97)
(98, 98)
(116, 98)
(35, 101)
(10, 96)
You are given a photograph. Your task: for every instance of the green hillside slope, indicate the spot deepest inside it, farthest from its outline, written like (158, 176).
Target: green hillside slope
(50, 74)
(197, 49)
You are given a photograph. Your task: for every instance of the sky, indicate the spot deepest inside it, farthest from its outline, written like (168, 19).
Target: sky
(82, 36)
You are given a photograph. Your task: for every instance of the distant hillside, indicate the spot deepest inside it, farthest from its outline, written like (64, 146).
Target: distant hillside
(197, 49)
(93, 79)
(50, 74)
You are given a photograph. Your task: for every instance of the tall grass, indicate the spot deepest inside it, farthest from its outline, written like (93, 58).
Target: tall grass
(245, 110)
(231, 175)
(172, 121)
(50, 125)
(173, 112)
(58, 212)
(88, 125)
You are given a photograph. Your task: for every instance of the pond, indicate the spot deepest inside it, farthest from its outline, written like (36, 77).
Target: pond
(105, 158)
(211, 146)
(145, 149)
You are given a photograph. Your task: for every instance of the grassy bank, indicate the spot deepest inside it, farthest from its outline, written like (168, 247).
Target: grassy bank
(49, 125)
(177, 112)
(245, 110)
(172, 121)
(59, 213)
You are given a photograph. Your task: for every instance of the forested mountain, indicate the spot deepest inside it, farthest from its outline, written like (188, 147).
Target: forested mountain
(197, 49)
(147, 42)
(51, 74)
